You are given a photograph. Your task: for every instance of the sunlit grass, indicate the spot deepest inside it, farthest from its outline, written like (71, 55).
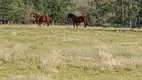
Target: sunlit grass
(29, 52)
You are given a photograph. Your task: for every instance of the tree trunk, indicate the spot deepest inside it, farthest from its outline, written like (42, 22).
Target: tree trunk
(130, 23)
(123, 13)
(139, 23)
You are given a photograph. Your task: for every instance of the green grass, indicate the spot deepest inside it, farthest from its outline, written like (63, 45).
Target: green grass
(28, 52)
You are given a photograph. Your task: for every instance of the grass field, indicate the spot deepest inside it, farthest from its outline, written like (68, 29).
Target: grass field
(28, 52)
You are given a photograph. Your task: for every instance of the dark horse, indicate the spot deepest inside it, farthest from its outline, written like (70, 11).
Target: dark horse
(40, 18)
(77, 20)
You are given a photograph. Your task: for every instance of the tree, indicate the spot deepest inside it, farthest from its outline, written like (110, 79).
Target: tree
(100, 11)
(5, 10)
(21, 10)
(57, 9)
(38, 5)
(140, 15)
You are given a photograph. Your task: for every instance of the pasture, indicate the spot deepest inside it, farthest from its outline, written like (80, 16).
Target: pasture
(28, 52)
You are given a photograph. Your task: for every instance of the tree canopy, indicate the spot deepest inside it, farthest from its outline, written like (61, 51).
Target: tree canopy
(99, 12)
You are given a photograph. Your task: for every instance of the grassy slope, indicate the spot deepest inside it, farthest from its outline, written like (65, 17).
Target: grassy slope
(62, 53)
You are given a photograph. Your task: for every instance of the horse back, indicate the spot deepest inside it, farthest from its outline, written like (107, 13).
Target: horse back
(44, 19)
(81, 19)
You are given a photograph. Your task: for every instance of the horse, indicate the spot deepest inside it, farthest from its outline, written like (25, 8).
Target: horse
(77, 20)
(40, 18)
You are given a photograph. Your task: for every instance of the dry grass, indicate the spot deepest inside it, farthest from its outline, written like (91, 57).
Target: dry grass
(28, 52)
(50, 62)
(105, 54)
(10, 52)
(32, 77)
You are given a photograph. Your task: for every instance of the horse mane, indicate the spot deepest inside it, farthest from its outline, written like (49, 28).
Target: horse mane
(36, 16)
(70, 14)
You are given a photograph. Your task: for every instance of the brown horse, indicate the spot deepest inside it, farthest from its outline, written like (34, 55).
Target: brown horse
(40, 18)
(77, 20)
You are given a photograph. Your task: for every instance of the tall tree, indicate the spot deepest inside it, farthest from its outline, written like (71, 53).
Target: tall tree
(100, 11)
(38, 5)
(57, 9)
(21, 10)
(5, 10)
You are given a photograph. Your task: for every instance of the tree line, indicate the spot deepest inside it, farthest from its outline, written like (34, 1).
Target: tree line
(117, 13)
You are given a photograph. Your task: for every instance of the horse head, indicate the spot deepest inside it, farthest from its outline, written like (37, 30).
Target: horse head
(32, 14)
(71, 17)
(35, 15)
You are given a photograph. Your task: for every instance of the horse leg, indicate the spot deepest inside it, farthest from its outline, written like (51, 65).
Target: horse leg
(77, 25)
(73, 25)
(85, 25)
(47, 24)
(39, 24)
(36, 21)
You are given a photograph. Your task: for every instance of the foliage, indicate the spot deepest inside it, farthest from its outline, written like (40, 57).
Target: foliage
(57, 9)
(5, 10)
(99, 12)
